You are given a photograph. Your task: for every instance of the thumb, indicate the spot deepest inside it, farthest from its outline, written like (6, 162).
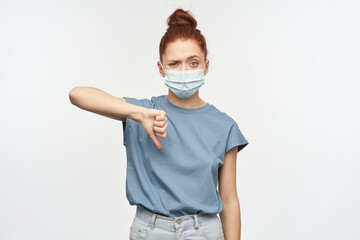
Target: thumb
(156, 141)
(160, 115)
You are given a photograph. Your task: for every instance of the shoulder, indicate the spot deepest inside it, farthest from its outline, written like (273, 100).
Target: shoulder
(158, 98)
(222, 116)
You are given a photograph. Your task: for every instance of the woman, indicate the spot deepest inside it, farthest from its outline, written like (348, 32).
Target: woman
(178, 146)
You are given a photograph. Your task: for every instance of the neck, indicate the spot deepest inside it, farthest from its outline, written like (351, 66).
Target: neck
(193, 101)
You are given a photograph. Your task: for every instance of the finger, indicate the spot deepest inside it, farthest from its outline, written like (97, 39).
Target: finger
(160, 130)
(161, 115)
(159, 123)
(162, 135)
(157, 142)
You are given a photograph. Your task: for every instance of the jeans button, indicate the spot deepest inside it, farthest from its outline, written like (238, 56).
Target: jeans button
(179, 221)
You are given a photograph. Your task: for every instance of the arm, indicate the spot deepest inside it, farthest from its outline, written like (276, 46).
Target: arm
(99, 102)
(92, 99)
(230, 216)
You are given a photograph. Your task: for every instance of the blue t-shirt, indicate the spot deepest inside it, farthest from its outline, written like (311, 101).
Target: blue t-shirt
(182, 178)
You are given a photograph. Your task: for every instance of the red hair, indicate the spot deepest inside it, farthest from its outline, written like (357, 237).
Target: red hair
(182, 25)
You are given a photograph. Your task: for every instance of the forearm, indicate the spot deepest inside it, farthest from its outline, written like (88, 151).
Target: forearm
(99, 102)
(231, 220)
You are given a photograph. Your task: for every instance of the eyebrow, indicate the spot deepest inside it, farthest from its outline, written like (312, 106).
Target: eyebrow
(187, 58)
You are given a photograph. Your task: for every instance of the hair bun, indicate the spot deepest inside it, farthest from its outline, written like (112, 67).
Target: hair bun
(181, 17)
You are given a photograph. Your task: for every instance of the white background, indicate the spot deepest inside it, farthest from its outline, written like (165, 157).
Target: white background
(286, 71)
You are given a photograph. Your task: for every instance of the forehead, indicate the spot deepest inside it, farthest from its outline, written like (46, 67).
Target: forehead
(182, 49)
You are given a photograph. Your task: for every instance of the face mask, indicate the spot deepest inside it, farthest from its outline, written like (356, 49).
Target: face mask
(184, 83)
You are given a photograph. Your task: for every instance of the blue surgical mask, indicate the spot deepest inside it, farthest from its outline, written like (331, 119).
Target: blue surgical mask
(184, 83)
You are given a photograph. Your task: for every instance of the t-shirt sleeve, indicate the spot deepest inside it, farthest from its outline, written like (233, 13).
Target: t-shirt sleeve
(143, 102)
(235, 138)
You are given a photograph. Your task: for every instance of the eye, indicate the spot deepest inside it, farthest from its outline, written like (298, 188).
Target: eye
(195, 64)
(172, 64)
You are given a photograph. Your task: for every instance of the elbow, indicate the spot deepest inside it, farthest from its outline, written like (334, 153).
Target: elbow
(73, 95)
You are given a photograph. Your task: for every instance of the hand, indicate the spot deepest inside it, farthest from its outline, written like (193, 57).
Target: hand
(155, 123)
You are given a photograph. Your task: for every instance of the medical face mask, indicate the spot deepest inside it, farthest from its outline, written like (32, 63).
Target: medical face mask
(184, 83)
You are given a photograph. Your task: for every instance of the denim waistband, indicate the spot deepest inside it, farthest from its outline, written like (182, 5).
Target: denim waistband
(171, 223)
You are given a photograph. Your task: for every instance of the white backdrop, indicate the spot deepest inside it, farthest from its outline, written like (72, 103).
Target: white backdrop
(286, 71)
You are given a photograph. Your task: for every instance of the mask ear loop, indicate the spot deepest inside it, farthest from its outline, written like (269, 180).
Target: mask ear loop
(162, 67)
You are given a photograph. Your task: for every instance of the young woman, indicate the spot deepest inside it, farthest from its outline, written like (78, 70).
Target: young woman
(178, 146)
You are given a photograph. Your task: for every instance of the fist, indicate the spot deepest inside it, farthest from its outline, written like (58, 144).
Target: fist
(154, 122)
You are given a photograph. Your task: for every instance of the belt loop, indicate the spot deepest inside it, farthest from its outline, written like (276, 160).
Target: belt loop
(196, 221)
(152, 224)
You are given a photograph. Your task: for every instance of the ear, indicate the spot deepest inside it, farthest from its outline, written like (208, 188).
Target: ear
(206, 67)
(160, 69)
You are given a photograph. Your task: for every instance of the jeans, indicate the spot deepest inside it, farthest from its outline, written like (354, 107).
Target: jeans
(147, 225)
